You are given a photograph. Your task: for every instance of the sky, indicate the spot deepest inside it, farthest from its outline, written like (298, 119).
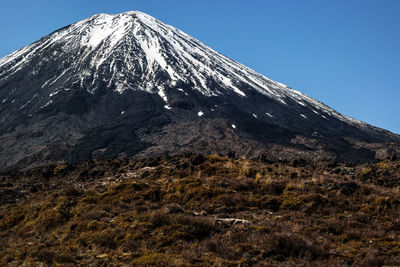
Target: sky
(344, 53)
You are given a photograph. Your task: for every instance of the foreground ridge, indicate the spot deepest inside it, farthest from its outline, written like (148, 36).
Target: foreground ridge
(197, 210)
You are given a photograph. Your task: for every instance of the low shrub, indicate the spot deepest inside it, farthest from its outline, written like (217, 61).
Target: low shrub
(46, 255)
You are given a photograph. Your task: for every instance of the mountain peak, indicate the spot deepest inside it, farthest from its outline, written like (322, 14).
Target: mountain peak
(107, 17)
(134, 51)
(127, 83)
(132, 13)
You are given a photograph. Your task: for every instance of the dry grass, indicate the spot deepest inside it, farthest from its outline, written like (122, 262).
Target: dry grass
(201, 211)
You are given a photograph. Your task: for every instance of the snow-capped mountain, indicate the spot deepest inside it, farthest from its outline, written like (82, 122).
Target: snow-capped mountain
(135, 51)
(128, 84)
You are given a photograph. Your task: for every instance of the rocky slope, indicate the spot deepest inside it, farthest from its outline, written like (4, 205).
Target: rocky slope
(129, 85)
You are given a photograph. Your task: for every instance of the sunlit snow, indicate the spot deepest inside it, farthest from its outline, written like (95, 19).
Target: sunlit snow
(269, 115)
(157, 55)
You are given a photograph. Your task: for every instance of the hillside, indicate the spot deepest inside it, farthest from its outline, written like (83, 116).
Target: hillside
(201, 211)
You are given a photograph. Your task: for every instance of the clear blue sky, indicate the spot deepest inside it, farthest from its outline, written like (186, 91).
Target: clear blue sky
(345, 53)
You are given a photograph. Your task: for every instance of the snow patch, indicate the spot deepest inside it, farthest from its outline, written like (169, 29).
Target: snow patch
(47, 104)
(162, 94)
(282, 101)
(104, 27)
(54, 93)
(304, 116)
(29, 101)
(269, 115)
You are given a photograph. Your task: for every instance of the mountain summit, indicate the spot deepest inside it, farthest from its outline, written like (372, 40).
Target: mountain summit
(129, 85)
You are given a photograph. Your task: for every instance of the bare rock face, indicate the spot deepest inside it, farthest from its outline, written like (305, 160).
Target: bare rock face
(129, 85)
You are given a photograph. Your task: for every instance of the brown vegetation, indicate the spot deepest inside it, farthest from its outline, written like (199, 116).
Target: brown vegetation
(201, 211)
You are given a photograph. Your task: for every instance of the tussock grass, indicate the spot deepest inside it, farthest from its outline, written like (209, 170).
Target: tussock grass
(201, 210)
